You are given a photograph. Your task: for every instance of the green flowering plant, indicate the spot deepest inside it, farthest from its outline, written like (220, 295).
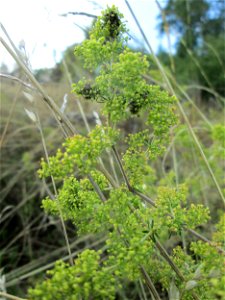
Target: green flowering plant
(85, 278)
(172, 215)
(134, 226)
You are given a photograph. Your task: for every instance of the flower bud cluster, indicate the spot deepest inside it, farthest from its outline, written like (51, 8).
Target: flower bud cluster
(81, 153)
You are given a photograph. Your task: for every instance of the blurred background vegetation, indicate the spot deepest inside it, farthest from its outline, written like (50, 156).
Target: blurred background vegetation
(30, 240)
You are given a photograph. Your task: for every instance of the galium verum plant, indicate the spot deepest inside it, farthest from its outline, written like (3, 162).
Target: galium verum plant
(97, 204)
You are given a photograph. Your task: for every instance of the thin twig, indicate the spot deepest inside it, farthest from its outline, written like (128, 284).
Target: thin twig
(143, 196)
(121, 168)
(142, 290)
(97, 189)
(168, 259)
(9, 296)
(79, 14)
(111, 180)
(163, 252)
(150, 284)
(19, 54)
(27, 85)
(204, 239)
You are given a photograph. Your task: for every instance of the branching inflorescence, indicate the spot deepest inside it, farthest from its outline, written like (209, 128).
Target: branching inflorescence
(132, 228)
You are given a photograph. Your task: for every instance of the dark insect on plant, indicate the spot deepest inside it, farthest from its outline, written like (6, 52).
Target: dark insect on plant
(135, 105)
(89, 92)
(112, 20)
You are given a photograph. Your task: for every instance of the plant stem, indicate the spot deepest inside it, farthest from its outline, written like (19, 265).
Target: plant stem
(8, 296)
(10, 77)
(142, 290)
(150, 284)
(164, 253)
(97, 189)
(143, 196)
(121, 168)
(166, 256)
(111, 180)
(204, 239)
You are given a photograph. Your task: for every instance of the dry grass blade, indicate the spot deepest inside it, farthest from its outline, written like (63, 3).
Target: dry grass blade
(51, 104)
(8, 296)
